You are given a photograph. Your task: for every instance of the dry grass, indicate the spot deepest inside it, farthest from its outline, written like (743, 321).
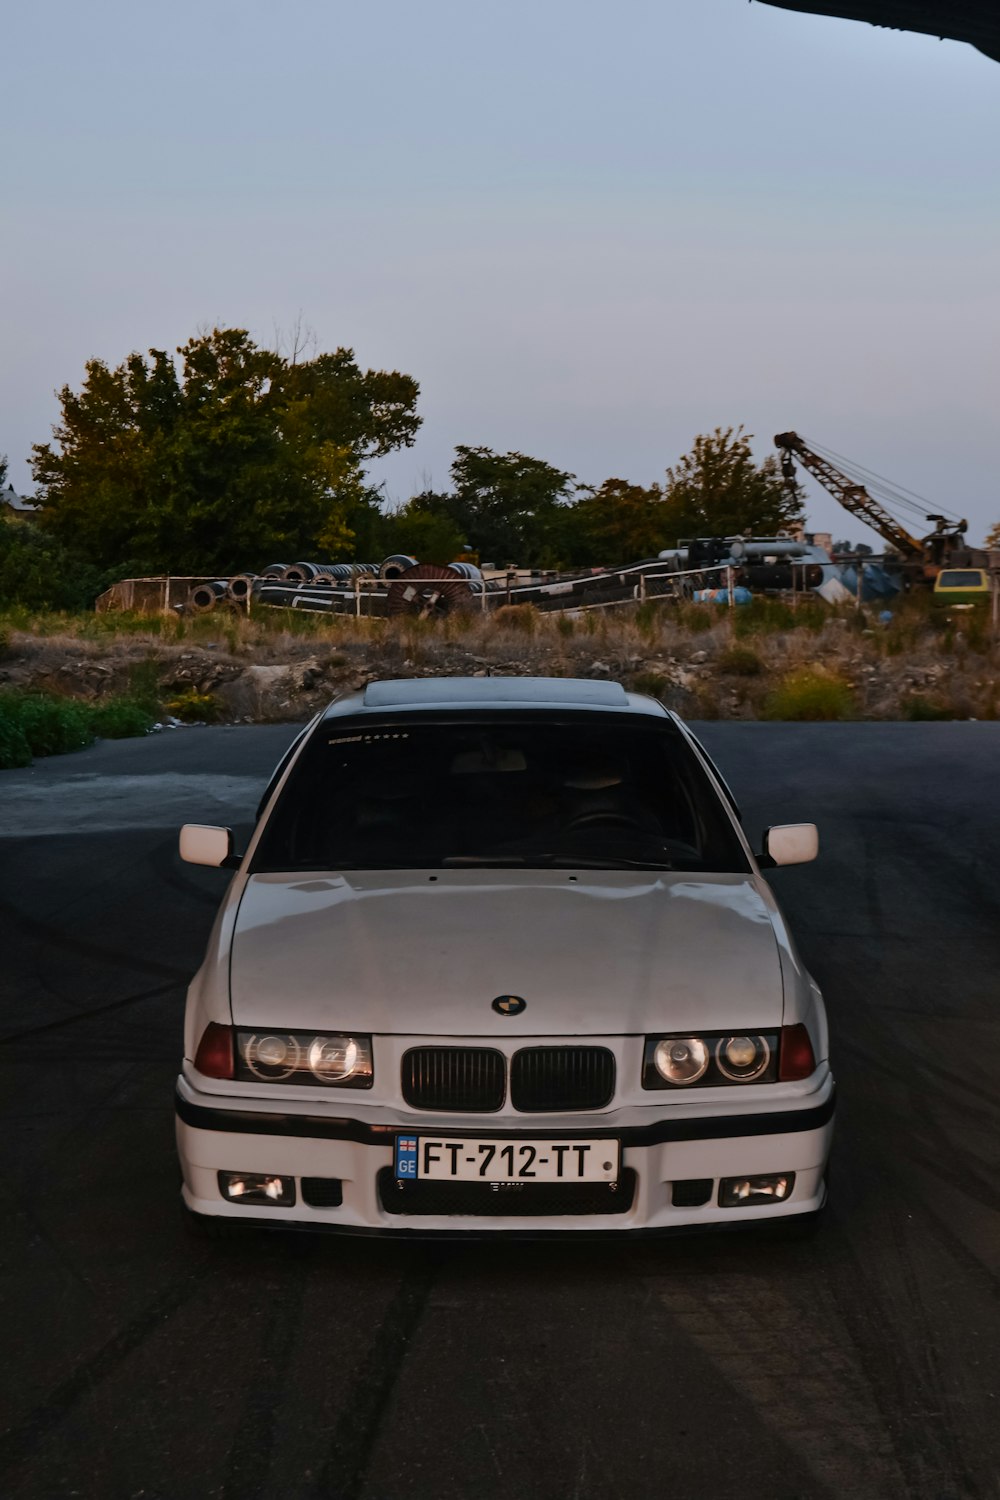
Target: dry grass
(699, 659)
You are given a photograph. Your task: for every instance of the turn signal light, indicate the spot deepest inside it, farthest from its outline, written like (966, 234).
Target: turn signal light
(214, 1057)
(797, 1059)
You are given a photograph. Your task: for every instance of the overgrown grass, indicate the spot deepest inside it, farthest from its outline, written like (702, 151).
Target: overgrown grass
(749, 650)
(699, 617)
(144, 684)
(765, 616)
(810, 694)
(523, 617)
(739, 661)
(34, 724)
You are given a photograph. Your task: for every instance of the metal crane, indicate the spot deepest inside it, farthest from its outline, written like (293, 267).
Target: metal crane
(927, 553)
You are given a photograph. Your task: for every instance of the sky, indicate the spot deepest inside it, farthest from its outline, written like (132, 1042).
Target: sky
(589, 230)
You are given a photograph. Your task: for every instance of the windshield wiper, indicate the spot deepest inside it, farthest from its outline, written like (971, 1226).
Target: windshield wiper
(547, 860)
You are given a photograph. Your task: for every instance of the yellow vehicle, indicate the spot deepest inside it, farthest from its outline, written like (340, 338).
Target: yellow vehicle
(961, 588)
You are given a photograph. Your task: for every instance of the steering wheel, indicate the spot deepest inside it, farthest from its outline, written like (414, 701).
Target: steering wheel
(603, 817)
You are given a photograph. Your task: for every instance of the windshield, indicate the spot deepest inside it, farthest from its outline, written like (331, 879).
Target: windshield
(594, 791)
(962, 578)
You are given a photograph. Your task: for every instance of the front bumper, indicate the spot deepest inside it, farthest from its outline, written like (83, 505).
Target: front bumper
(216, 1133)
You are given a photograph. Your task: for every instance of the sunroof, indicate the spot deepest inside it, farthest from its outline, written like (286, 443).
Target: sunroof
(409, 691)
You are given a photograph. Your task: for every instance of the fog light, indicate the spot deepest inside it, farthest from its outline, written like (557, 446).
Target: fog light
(256, 1188)
(740, 1192)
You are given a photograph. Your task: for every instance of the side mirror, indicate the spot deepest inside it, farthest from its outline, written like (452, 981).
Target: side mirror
(789, 844)
(202, 845)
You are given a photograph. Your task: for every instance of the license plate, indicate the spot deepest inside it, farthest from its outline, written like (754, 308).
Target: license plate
(427, 1158)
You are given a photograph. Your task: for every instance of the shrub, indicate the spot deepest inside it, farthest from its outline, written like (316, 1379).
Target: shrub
(699, 617)
(54, 726)
(647, 618)
(920, 709)
(762, 616)
(40, 573)
(144, 685)
(517, 617)
(650, 683)
(810, 694)
(739, 661)
(121, 718)
(14, 748)
(36, 724)
(565, 626)
(194, 708)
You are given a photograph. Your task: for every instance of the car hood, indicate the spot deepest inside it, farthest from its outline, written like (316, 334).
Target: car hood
(591, 953)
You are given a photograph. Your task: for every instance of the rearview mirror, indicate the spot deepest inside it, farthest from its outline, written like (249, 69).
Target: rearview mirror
(202, 845)
(790, 844)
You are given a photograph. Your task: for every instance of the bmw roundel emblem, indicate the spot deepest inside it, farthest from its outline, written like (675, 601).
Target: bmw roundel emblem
(509, 1005)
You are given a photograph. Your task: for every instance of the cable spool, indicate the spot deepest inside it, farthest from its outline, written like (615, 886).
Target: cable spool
(396, 565)
(323, 578)
(273, 570)
(466, 570)
(240, 586)
(428, 589)
(205, 596)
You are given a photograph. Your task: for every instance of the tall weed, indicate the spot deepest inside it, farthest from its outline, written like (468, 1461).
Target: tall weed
(810, 694)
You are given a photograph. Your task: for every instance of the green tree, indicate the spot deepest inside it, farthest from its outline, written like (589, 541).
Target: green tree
(618, 523)
(228, 459)
(718, 490)
(3, 470)
(508, 506)
(424, 529)
(36, 570)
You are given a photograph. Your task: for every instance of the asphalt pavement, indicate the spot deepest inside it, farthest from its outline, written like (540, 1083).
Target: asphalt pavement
(863, 1362)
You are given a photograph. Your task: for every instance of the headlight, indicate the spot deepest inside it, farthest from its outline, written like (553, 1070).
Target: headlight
(305, 1057)
(710, 1059)
(334, 1058)
(269, 1056)
(681, 1059)
(742, 1058)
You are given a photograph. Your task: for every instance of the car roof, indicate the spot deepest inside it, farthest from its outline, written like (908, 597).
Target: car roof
(408, 694)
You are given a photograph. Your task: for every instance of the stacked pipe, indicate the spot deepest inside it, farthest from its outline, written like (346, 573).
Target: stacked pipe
(205, 596)
(333, 587)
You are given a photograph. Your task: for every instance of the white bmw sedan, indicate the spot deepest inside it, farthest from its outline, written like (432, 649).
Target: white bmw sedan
(499, 959)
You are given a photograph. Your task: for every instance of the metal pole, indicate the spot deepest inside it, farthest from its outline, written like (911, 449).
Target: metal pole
(730, 575)
(859, 569)
(996, 603)
(357, 593)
